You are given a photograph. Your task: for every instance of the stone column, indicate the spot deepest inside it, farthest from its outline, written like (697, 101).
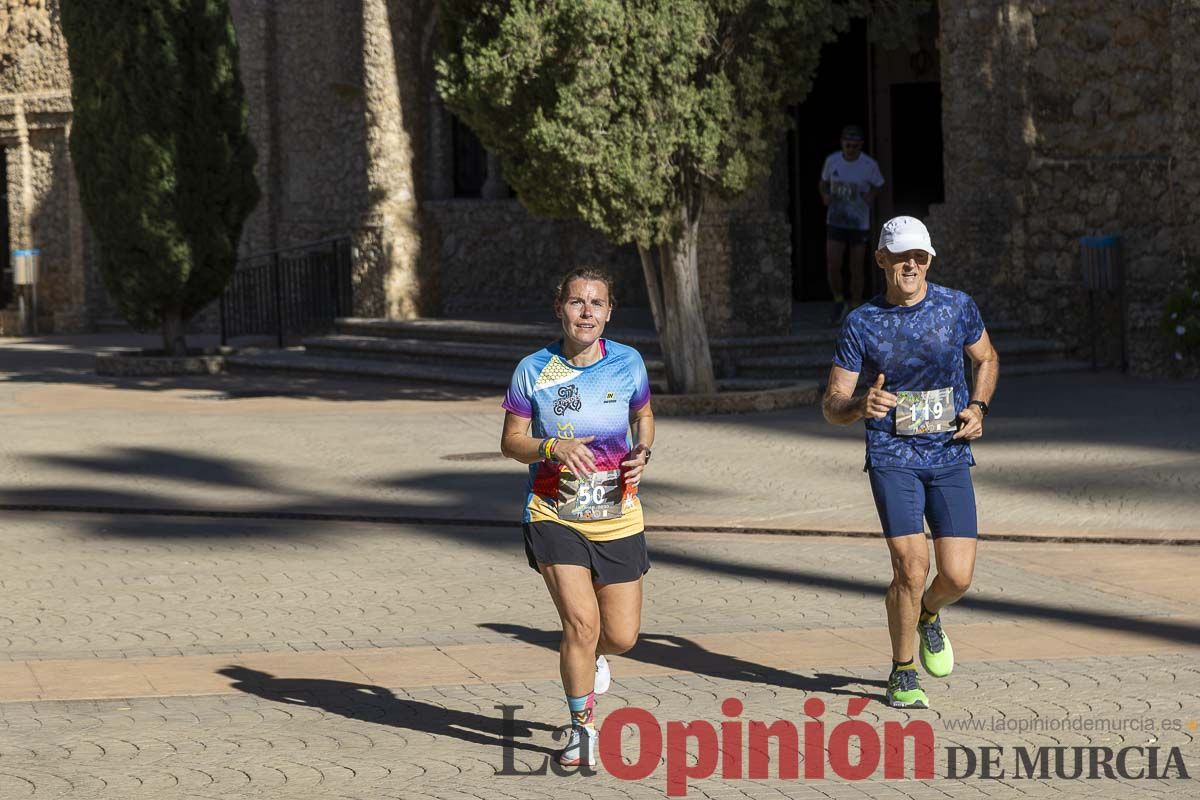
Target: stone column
(23, 227)
(76, 318)
(389, 238)
(978, 230)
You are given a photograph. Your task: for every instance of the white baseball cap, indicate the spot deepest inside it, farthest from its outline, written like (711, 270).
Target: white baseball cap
(901, 234)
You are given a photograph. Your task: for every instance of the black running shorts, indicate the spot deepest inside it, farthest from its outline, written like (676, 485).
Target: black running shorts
(850, 236)
(616, 561)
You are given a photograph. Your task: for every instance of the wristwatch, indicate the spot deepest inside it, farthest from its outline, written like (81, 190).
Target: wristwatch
(982, 406)
(645, 450)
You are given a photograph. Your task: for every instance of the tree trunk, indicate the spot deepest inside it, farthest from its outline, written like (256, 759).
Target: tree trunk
(174, 341)
(684, 336)
(653, 288)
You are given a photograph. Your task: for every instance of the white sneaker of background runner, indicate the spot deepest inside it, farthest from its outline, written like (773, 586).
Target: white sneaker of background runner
(603, 675)
(581, 747)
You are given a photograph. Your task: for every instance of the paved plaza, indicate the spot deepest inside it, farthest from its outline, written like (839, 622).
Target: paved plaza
(242, 586)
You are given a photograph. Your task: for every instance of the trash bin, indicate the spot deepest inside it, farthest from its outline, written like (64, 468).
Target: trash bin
(25, 277)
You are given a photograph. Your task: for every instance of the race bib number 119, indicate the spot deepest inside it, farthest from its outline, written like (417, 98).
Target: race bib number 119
(925, 412)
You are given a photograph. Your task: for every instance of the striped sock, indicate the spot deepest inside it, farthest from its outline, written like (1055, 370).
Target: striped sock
(899, 665)
(582, 709)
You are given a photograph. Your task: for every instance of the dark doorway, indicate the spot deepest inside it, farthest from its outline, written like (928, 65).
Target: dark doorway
(840, 96)
(894, 93)
(6, 276)
(917, 177)
(470, 161)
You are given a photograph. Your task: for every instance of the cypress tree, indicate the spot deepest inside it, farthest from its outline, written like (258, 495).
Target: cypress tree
(160, 143)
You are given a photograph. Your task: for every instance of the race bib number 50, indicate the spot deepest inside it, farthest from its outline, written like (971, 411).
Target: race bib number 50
(925, 412)
(587, 499)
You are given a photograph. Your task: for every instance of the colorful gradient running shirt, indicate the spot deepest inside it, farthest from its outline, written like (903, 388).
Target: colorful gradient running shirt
(918, 348)
(570, 402)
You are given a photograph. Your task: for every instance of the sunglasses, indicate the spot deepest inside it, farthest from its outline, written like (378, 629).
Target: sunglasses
(918, 257)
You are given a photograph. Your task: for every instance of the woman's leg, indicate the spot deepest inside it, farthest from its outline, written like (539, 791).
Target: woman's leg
(576, 600)
(620, 616)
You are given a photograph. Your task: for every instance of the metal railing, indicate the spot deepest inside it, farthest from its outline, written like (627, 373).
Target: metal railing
(289, 292)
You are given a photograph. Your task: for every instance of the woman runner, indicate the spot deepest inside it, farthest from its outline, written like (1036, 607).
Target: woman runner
(578, 412)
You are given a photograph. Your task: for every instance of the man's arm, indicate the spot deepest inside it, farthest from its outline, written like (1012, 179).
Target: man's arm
(985, 363)
(823, 188)
(841, 407)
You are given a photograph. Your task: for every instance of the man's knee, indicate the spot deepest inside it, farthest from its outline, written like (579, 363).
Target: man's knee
(910, 573)
(955, 581)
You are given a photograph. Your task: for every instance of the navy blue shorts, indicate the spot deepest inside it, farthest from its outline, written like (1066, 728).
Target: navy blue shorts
(906, 496)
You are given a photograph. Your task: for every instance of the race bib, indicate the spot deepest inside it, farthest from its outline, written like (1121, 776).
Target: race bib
(925, 412)
(587, 499)
(843, 190)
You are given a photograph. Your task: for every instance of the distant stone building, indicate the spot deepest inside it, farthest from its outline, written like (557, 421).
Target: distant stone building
(1064, 119)
(41, 204)
(1016, 127)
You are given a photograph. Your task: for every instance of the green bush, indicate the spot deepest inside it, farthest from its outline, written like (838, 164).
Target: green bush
(1181, 317)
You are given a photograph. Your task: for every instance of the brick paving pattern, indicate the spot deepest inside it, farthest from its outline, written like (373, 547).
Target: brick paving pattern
(339, 739)
(189, 657)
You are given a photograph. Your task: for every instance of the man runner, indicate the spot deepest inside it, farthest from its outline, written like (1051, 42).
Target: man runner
(920, 417)
(850, 181)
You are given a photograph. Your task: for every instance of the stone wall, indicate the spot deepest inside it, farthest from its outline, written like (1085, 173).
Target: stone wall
(252, 21)
(33, 55)
(494, 258)
(351, 139)
(43, 203)
(1062, 120)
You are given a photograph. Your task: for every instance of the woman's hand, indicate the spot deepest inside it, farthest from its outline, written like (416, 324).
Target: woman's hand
(635, 465)
(575, 455)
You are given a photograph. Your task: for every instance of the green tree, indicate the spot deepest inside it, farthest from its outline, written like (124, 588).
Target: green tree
(626, 113)
(160, 144)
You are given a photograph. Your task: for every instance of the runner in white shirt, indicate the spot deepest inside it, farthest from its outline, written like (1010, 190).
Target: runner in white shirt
(850, 179)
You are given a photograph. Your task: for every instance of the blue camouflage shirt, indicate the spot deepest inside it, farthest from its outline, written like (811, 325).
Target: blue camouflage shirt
(917, 348)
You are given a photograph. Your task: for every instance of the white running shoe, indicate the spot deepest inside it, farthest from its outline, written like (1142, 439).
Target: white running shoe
(603, 675)
(581, 747)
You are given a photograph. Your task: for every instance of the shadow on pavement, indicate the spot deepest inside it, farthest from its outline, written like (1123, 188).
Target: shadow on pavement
(71, 360)
(161, 463)
(129, 513)
(1157, 627)
(483, 494)
(680, 653)
(1039, 410)
(378, 705)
